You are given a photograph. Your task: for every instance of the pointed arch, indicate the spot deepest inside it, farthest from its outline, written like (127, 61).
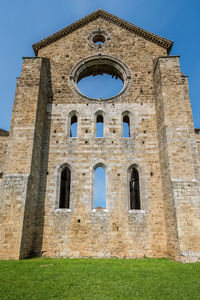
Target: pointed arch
(99, 123)
(126, 132)
(65, 186)
(73, 124)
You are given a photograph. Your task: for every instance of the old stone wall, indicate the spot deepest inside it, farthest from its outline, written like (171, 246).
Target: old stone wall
(3, 151)
(179, 160)
(116, 231)
(197, 136)
(22, 171)
(162, 146)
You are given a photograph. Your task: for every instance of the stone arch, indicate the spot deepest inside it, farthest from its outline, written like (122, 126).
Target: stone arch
(72, 119)
(98, 203)
(64, 186)
(98, 64)
(99, 117)
(126, 118)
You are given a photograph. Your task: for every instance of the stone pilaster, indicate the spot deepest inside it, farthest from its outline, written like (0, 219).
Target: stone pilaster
(20, 187)
(179, 160)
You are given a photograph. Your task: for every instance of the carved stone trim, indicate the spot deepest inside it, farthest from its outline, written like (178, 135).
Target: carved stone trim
(99, 33)
(98, 64)
(108, 17)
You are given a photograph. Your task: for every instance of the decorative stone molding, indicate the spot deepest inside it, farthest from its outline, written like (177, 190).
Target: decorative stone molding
(99, 64)
(99, 36)
(110, 18)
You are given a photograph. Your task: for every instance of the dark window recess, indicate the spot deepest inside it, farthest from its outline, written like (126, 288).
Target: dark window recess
(73, 126)
(65, 188)
(98, 39)
(99, 126)
(134, 188)
(126, 126)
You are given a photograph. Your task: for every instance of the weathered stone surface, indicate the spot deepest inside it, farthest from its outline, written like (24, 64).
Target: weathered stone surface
(162, 145)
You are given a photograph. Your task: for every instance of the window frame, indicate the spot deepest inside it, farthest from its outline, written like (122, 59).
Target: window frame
(59, 173)
(103, 210)
(127, 113)
(70, 116)
(135, 166)
(99, 113)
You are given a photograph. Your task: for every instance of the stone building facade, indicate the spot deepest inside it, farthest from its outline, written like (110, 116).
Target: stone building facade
(161, 154)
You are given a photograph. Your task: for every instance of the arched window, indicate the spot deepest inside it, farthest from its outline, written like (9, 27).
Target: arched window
(134, 188)
(73, 124)
(99, 126)
(65, 181)
(126, 125)
(99, 187)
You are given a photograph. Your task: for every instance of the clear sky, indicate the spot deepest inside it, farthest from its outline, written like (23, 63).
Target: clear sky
(25, 22)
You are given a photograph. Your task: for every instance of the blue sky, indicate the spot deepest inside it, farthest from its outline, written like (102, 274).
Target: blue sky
(22, 23)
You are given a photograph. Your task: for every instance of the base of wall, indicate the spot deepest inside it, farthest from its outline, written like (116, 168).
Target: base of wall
(190, 256)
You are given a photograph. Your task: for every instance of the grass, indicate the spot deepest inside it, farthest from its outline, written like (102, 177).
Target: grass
(47, 278)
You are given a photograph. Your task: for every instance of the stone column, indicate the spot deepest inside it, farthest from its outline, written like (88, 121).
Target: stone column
(22, 175)
(179, 160)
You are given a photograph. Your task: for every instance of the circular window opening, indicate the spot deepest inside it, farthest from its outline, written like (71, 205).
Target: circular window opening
(99, 39)
(100, 86)
(100, 77)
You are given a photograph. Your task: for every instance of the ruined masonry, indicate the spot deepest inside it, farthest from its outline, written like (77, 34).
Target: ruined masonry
(152, 176)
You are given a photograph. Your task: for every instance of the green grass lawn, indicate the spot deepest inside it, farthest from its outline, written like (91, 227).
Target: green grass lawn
(98, 279)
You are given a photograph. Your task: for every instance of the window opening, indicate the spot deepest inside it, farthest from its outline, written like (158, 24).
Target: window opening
(99, 39)
(99, 126)
(100, 85)
(73, 126)
(126, 126)
(134, 189)
(100, 188)
(65, 182)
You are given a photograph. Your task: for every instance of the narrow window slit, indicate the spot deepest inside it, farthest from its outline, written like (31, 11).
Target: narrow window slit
(65, 188)
(134, 189)
(73, 126)
(99, 188)
(126, 126)
(99, 126)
